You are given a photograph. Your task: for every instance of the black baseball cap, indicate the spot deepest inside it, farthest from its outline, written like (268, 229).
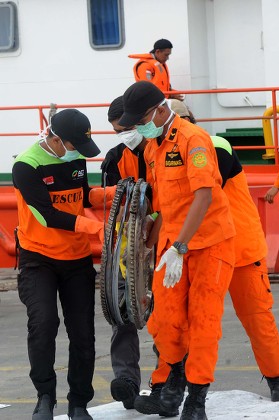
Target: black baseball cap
(137, 99)
(74, 126)
(161, 44)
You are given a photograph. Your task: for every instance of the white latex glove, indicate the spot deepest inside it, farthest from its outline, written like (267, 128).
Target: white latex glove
(174, 263)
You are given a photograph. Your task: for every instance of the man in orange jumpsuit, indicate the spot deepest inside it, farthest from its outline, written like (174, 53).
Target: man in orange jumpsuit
(153, 68)
(195, 249)
(249, 287)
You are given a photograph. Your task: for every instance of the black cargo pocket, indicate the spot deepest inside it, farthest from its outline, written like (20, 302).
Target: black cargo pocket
(26, 281)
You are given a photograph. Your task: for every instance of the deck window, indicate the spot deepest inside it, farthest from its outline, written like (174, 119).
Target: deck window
(106, 24)
(8, 27)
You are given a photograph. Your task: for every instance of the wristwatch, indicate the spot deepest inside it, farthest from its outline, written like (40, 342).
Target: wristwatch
(181, 247)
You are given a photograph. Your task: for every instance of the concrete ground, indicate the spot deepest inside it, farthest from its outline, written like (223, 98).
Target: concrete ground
(236, 369)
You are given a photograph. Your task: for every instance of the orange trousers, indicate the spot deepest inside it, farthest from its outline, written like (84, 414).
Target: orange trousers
(252, 299)
(187, 318)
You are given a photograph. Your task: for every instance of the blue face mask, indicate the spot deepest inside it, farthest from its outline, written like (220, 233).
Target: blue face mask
(69, 154)
(150, 130)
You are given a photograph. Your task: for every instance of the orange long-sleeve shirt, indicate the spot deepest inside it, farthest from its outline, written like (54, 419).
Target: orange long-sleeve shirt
(184, 162)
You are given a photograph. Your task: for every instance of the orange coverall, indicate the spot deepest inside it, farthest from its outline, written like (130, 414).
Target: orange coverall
(188, 316)
(250, 287)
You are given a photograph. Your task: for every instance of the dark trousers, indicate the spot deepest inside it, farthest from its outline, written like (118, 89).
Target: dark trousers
(125, 353)
(40, 280)
(124, 350)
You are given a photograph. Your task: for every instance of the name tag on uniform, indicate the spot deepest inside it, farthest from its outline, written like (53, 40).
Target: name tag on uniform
(173, 159)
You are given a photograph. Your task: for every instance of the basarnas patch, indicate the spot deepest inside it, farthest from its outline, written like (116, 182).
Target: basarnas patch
(199, 159)
(173, 159)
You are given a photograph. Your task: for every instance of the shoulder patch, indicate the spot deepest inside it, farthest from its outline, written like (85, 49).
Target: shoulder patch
(199, 159)
(197, 149)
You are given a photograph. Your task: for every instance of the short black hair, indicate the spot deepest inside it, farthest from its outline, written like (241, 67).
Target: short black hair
(161, 44)
(116, 109)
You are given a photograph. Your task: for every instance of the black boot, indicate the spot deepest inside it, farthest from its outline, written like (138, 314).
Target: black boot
(194, 406)
(151, 404)
(125, 390)
(273, 384)
(44, 408)
(172, 393)
(78, 413)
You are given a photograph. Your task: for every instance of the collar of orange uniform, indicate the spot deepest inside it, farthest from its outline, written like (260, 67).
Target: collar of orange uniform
(171, 134)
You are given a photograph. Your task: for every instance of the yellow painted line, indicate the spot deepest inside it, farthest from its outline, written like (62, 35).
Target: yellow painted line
(100, 383)
(237, 368)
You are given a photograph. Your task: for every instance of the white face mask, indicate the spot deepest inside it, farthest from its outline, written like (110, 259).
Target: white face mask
(131, 138)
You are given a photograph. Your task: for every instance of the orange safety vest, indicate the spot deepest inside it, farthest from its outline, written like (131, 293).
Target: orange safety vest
(64, 186)
(159, 73)
(128, 164)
